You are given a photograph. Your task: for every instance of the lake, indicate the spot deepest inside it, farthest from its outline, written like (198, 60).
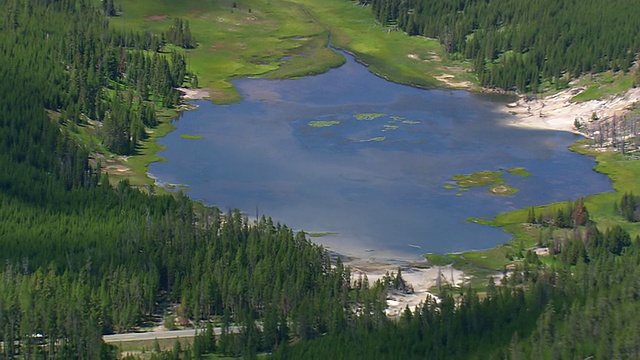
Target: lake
(367, 160)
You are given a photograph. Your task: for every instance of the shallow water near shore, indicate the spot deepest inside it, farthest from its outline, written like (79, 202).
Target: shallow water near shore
(365, 159)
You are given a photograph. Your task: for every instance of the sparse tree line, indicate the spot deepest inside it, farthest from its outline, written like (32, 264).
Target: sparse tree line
(524, 45)
(616, 132)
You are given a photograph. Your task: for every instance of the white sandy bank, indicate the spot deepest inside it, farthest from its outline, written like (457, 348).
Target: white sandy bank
(558, 112)
(421, 279)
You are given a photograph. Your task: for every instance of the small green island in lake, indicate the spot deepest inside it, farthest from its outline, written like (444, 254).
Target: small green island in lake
(323, 123)
(368, 116)
(492, 179)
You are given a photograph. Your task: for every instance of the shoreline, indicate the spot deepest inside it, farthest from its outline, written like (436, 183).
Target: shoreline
(417, 273)
(558, 112)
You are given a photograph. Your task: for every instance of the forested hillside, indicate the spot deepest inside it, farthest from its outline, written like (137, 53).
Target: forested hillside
(82, 258)
(584, 306)
(524, 45)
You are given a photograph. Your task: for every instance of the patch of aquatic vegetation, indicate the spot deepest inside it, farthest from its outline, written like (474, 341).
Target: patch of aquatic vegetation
(323, 123)
(480, 178)
(388, 127)
(520, 171)
(396, 118)
(491, 179)
(368, 116)
(411, 122)
(187, 136)
(377, 138)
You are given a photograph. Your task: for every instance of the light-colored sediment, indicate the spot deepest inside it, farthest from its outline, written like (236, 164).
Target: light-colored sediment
(421, 279)
(448, 79)
(558, 112)
(194, 94)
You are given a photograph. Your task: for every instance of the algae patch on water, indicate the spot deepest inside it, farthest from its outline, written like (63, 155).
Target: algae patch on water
(520, 171)
(368, 116)
(480, 178)
(493, 180)
(323, 123)
(388, 127)
(187, 136)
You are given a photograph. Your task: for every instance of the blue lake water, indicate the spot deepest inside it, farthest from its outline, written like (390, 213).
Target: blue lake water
(375, 180)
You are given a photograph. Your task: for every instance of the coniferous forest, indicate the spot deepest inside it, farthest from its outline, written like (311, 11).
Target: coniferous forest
(83, 258)
(524, 45)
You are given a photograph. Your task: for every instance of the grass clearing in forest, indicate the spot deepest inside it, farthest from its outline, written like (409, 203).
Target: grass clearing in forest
(148, 150)
(602, 85)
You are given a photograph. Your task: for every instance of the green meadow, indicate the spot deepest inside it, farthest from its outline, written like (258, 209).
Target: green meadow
(277, 39)
(288, 39)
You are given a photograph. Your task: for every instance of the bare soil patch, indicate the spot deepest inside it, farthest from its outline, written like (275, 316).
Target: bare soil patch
(500, 189)
(449, 80)
(558, 112)
(416, 275)
(195, 94)
(435, 56)
(156, 17)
